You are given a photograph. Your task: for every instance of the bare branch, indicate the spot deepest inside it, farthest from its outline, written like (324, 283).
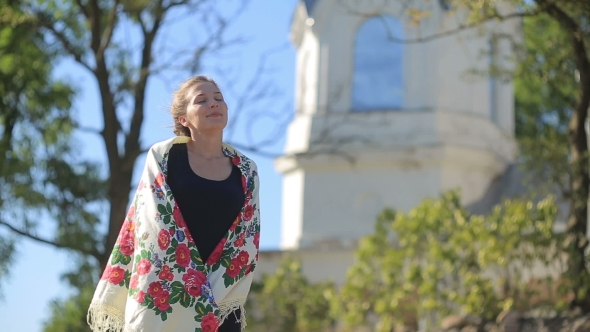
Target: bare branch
(47, 23)
(463, 27)
(107, 34)
(93, 253)
(89, 130)
(256, 150)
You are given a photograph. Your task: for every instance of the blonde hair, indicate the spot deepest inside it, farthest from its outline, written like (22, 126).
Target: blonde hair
(180, 102)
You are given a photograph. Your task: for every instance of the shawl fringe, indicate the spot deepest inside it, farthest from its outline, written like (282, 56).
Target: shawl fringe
(228, 308)
(105, 318)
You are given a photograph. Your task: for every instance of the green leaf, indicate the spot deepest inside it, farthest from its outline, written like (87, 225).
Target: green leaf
(200, 308)
(116, 256)
(162, 209)
(167, 219)
(225, 261)
(170, 251)
(177, 286)
(168, 208)
(164, 316)
(125, 259)
(127, 279)
(185, 300)
(195, 256)
(145, 254)
(178, 294)
(227, 281)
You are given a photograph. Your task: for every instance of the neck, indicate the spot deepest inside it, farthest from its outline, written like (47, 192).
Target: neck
(206, 145)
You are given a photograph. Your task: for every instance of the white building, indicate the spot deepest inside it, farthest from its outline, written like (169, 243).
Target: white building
(383, 123)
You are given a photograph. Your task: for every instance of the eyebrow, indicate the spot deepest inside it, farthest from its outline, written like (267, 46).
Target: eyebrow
(202, 94)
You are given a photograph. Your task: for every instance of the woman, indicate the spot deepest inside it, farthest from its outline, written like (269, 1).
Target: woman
(186, 251)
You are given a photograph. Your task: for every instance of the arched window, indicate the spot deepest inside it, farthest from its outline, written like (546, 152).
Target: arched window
(377, 82)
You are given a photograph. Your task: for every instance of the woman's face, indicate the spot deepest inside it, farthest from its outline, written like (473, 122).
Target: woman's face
(206, 110)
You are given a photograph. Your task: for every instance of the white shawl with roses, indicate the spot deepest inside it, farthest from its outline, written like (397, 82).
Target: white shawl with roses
(155, 280)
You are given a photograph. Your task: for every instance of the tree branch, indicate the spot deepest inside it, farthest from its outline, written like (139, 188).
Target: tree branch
(462, 27)
(48, 24)
(90, 130)
(83, 9)
(107, 34)
(92, 253)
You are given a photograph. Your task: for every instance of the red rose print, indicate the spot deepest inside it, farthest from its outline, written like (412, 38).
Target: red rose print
(209, 323)
(163, 239)
(131, 212)
(233, 270)
(193, 280)
(236, 160)
(159, 181)
(178, 217)
(183, 255)
(127, 240)
(143, 267)
(248, 212)
(240, 241)
(134, 282)
(116, 275)
(106, 272)
(248, 269)
(243, 258)
(216, 254)
(171, 231)
(165, 273)
(155, 289)
(161, 301)
(140, 297)
(257, 240)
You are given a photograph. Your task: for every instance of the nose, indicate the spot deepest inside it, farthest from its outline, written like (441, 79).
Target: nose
(214, 104)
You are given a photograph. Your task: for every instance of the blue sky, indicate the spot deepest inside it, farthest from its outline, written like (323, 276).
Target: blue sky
(35, 275)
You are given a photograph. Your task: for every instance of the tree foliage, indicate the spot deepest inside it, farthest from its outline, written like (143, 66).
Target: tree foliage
(554, 98)
(39, 172)
(287, 302)
(69, 315)
(439, 259)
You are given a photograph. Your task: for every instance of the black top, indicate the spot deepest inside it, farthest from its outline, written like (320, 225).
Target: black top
(208, 207)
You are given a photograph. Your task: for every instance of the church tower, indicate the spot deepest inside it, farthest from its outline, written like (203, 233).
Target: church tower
(389, 112)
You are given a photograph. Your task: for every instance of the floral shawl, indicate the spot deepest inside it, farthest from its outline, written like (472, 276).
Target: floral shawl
(155, 280)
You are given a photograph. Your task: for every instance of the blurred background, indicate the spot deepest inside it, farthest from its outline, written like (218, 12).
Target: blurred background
(423, 164)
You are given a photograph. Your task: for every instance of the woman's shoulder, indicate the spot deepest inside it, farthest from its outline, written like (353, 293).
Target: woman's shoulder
(234, 152)
(162, 147)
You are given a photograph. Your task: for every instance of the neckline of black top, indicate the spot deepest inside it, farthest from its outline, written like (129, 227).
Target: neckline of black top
(185, 154)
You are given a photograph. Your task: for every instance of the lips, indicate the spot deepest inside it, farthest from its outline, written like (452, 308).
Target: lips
(214, 115)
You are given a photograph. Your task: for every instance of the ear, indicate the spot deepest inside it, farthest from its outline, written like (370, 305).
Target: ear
(182, 120)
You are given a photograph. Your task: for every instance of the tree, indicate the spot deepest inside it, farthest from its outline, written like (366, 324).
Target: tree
(439, 259)
(554, 94)
(287, 302)
(550, 96)
(39, 173)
